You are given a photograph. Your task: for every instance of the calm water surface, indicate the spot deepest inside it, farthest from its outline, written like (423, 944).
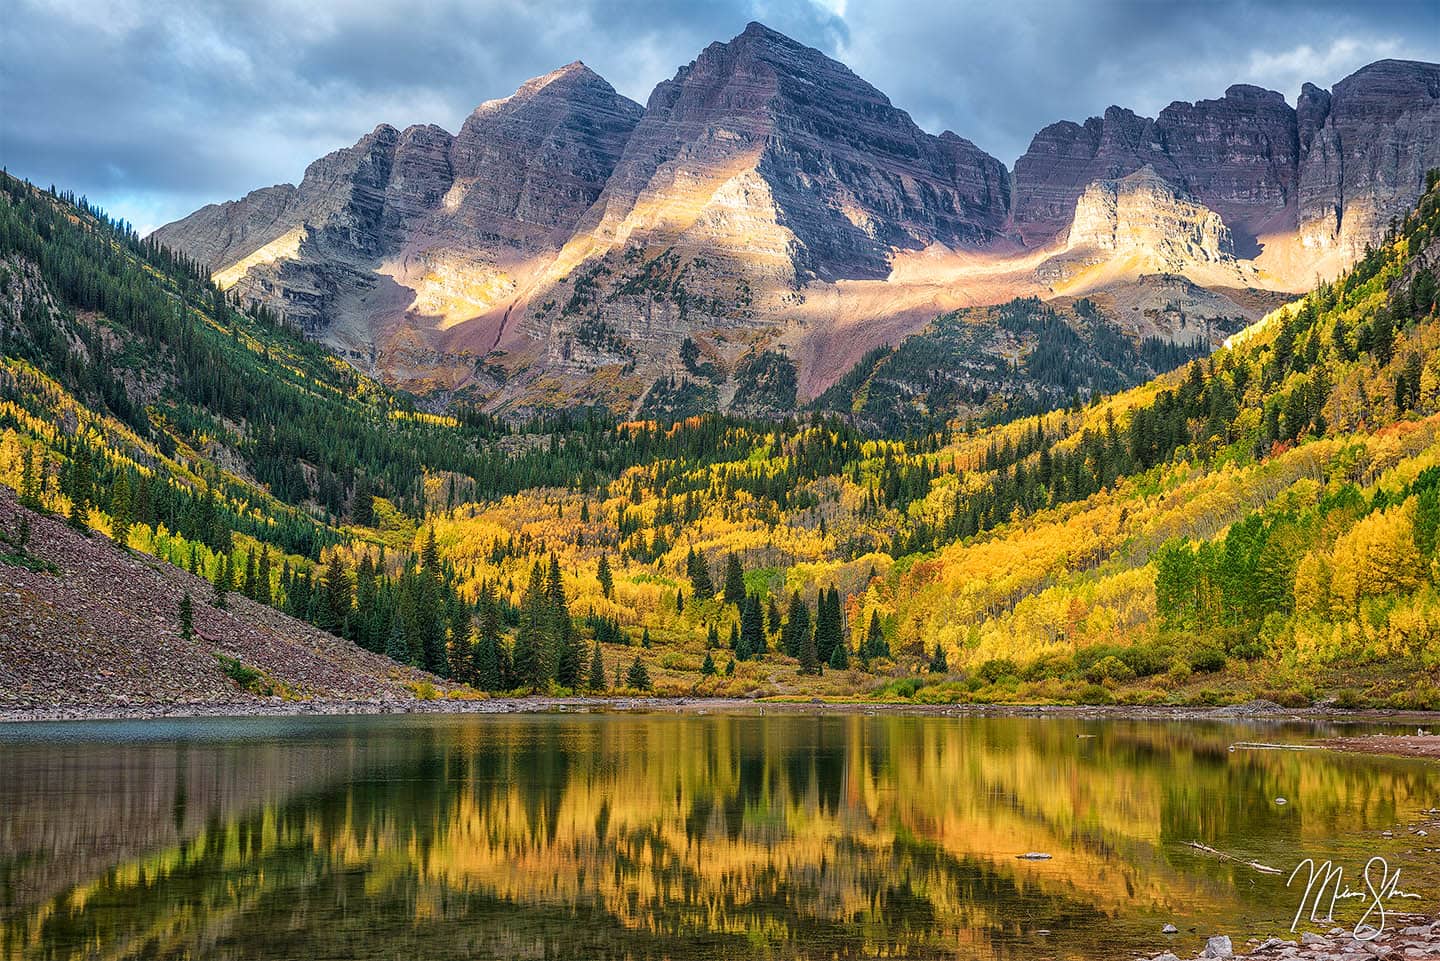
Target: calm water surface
(658, 836)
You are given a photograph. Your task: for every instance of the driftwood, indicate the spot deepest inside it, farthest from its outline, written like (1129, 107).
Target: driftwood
(1263, 746)
(1262, 868)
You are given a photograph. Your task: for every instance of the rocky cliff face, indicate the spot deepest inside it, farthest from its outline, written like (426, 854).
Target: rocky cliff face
(417, 220)
(1238, 156)
(1335, 168)
(1370, 142)
(1143, 213)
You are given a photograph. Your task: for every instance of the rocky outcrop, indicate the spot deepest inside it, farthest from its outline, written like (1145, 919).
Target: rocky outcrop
(1371, 140)
(1143, 213)
(1237, 156)
(1335, 168)
(407, 210)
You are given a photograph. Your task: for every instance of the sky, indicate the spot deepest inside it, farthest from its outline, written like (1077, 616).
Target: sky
(153, 108)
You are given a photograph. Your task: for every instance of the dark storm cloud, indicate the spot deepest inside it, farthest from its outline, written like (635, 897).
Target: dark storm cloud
(154, 107)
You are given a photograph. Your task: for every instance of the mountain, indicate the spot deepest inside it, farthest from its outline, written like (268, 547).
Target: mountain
(569, 246)
(385, 245)
(1261, 521)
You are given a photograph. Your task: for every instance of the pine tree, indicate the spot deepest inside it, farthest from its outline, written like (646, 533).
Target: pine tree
(397, 647)
(597, 668)
(730, 668)
(938, 663)
(362, 508)
(602, 574)
(839, 657)
(247, 584)
(809, 655)
(530, 638)
(262, 575)
(187, 618)
(734, 581)
(645, 638)
(80, 486)
(30, 474)
(699, 573)
(796, 631)
(568, 652)
(487, 668)
(638, 677)
(752, 627)
(335, 609)
(462, 642)
(772, 621)
(707, 666)
(679, 602)
(363, 620)
(223, 577)
(122, 517)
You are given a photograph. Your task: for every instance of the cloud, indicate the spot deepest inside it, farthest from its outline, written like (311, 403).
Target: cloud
(154, 107)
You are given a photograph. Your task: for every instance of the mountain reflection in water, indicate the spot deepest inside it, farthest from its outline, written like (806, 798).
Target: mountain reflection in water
(663, 836)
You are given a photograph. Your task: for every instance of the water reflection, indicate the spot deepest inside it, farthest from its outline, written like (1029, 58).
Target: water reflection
(593, 837)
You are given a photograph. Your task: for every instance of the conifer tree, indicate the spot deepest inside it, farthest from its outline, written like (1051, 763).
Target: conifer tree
(530, 638)
(938, 664)
(839, 657)
(734, 581)
(122, 517)
(247, 584)
(752, 627)
(707, 666)
(335, 608)
(80, 486)
(397, 647)
(262, 575)
(223, 576)
(30, 473)
(603, 575)
(462, 642)
(638, 677)
(363, 620)
(809, 655)
(699, 573)
(796, 631)
(597, 668)
(362, 508)
(487, 669)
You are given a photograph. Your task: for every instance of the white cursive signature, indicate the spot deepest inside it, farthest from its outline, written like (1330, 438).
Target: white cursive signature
(1327, 876)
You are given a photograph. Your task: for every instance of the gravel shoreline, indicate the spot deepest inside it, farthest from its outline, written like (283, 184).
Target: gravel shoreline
(1406, 937)
(1427, 746)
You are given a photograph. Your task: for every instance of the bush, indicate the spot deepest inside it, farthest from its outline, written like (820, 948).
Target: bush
(991, 671)
(245, 677)
(423, 690)
(1094, 694)
(1110, 668)
(1207, 660)
(904, 687)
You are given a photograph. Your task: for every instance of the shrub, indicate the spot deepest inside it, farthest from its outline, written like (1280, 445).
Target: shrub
(1094, 694)
(1110, 668)
(423, 690)
(992, 670)
(1207, 660)
(247, 678)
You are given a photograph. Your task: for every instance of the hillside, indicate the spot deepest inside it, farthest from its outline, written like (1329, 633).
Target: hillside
(1260, 522)
(568, 245)
(85, 624)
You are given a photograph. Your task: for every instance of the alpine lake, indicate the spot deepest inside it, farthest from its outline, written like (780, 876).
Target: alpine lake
(683, 836)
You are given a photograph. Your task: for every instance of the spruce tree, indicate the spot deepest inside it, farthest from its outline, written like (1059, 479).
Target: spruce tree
(30, 474)
(362, 508)
(335, 608)
(839, 657)
(752, 627)
(938, 663)
(122, 517)
(247, 584)
(462, 642)
(707, 666)
(638, 677)
(597, 668)
(223, 576)
(530, 638)
(734, 581)
(80, 489)
(397, 647)
(262, 575)
(796, 631)
(603, 575)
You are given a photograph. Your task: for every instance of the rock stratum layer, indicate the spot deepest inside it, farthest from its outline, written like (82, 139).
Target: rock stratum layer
(568, 244)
